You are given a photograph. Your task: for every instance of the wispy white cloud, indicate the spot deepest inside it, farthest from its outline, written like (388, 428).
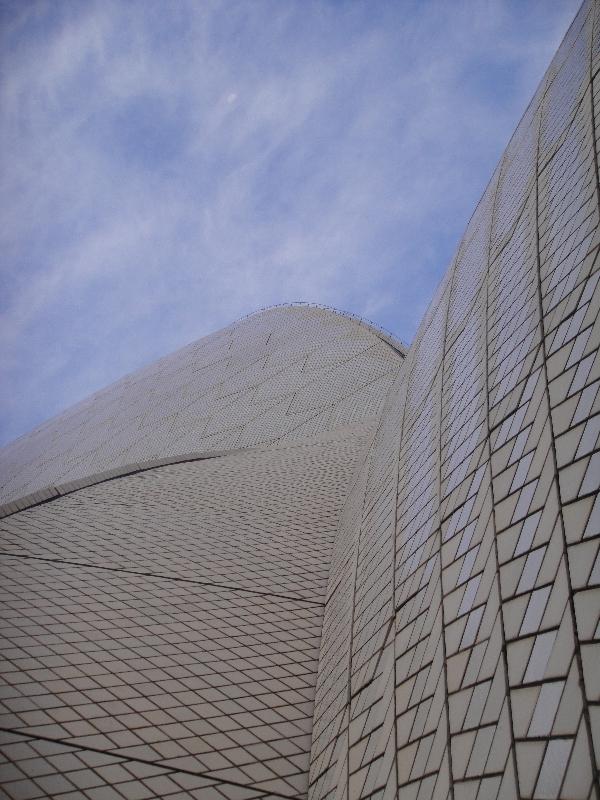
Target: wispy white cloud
(169, 167)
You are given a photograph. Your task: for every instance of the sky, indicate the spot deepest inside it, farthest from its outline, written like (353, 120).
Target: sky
(168, 166)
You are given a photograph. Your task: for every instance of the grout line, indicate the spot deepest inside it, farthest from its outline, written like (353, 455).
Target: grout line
(504, 649)
(161, 577)
(49, 493)
(115, 754)
(565, 551)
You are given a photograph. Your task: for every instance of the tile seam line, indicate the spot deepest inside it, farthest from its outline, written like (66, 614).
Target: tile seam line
(438, 480)
(593, 111)
(362, 459)
(161, 577)
(116, 754)
(588, 383)
(549, 158)
(367, 464)
(512, 754)
(387, 624)
(585, 713)
(54, 492)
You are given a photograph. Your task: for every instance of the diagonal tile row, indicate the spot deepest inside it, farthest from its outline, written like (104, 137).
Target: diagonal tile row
(496, 624)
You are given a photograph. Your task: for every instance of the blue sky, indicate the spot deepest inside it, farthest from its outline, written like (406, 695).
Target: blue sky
(168, 167)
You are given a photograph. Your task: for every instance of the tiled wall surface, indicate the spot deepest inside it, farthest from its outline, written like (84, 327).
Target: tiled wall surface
(281, 374)
(161, 630)
(390, 587)
(473, 672)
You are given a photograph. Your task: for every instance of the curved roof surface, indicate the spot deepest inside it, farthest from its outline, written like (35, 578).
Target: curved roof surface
(285, 372)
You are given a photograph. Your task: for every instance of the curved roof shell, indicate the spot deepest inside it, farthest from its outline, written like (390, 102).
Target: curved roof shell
(285, 372)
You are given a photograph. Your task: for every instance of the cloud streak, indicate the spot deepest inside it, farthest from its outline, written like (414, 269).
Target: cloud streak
(171, 167)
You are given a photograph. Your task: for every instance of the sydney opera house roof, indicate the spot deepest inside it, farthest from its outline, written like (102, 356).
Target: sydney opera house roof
(297, 559)
(285, 372)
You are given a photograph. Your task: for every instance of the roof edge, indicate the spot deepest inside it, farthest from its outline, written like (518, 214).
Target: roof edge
(55, 491)
(396, 344)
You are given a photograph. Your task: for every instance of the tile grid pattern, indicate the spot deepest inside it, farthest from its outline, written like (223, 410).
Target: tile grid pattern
(353, 733)
(497, 606)
(35, 768)
(168, 621)
(282, 374)
(445, 558)
(131, 627)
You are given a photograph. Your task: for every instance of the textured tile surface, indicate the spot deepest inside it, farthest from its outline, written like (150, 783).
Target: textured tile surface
(385, 582)
(470, 674)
